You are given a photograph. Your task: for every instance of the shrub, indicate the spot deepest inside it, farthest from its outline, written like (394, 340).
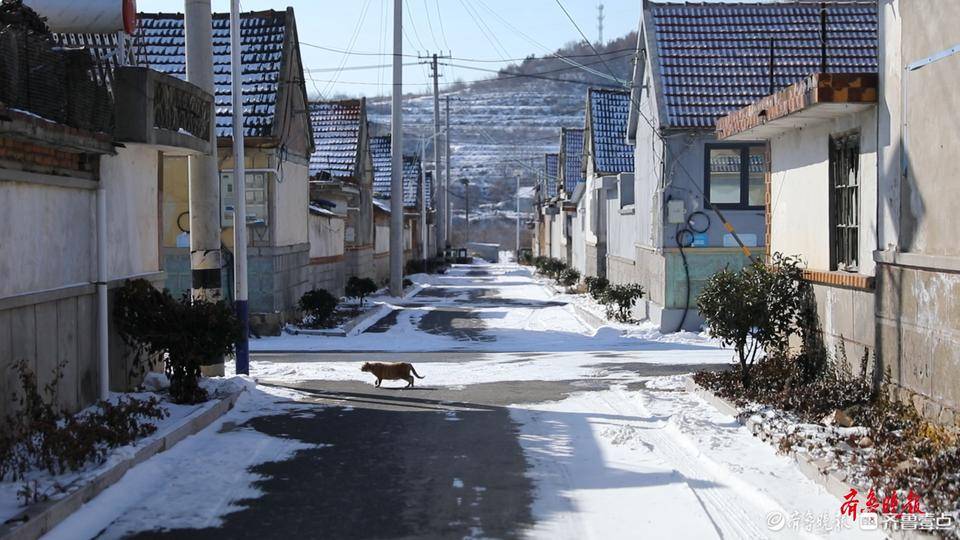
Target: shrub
(538, 262)
(569, 277)
(552, 268)
(185, 333)
(41, 437)
(596, 286)
(526, 258)
(407, 283)
(620, 299)
(318, 305)
(755, 308)
(360, 288)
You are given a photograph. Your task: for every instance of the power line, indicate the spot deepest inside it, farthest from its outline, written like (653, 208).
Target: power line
(538, 44)
(463, 59)
(584, 36)
(530, 76)
(485, 30)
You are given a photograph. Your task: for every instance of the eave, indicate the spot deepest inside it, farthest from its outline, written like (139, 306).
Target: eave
(819, 97)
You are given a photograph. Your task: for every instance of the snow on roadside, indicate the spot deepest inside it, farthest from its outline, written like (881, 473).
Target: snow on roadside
(56, 487)
(678, 467)
(197, 482)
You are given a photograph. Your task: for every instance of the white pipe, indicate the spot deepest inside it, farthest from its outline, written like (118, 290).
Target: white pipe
(88, 16)
(240, 188)
(103, 344)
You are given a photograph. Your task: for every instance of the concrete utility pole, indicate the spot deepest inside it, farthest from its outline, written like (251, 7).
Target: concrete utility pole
(204, 179)
(466, 195)
(396, 156)
(518, 218)
(423, 203)
(442, 233)
(240, 188)
(446, 175)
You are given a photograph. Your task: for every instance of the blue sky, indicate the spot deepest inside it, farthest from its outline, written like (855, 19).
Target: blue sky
(488, 30)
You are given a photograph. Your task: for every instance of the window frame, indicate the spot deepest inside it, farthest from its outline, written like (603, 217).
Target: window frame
(852, 204)
(744, 148)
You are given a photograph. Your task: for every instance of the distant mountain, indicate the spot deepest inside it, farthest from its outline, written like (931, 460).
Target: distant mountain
(503, 125)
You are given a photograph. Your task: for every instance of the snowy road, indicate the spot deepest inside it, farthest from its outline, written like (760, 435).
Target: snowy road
(529, 424)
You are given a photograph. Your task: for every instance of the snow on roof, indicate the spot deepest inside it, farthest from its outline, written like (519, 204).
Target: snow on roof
(712, 59)
(321, 211)
(609, 110)
(336, 133)
(161, 46)
(571, 154)
(550, 172)
(382, 166)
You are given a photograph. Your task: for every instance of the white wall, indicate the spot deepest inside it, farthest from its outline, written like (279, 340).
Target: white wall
(326, 236)
(290, 208)
(48, 238)
(800, 188)
(622, 226)
(131, 180)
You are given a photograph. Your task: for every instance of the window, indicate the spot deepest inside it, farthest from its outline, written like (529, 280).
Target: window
(734, 175)
(625, 185)
(256, 197)
(845, 202)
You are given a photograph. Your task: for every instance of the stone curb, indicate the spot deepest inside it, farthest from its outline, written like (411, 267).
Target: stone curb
(833, 482)
(41, 518)
(588, 317)
(349, 328)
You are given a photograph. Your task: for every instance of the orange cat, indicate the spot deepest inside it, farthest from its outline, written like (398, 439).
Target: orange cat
(391, 372)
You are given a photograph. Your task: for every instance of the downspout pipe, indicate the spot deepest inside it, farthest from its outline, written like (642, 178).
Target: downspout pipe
(103, 343)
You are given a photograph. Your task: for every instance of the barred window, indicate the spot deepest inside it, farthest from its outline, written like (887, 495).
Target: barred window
(845, 202)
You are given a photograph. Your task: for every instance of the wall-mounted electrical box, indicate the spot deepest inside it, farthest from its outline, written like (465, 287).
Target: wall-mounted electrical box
(676, 211)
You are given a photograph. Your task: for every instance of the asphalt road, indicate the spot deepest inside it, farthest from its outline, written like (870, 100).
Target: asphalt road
(428, 462)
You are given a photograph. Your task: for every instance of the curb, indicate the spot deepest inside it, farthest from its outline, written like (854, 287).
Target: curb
(816, 470)
(587, 317)
(350, 328)
(41, 518)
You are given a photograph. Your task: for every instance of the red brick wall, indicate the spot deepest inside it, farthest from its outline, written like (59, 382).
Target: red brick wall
(42, 158)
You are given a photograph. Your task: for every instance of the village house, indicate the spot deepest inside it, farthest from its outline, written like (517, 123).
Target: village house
(83, 149)
(550, 219)
(836, 143)
(570, 183)
(697, 202)
(918, 257)
(380, 148)
(341, 178)
(607, 160)
(277, 146)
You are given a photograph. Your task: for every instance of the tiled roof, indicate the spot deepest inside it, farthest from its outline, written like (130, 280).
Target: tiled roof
(551, 173)
(609, 110)
(161, 46)
(715, 58)
(380, 152)
(382, 166)
(336, 133)
(571, 152)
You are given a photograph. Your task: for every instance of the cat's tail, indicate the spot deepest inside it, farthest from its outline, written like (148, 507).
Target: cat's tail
(419, 376)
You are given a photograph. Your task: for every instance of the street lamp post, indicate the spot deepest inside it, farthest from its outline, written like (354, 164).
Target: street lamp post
(518, 218)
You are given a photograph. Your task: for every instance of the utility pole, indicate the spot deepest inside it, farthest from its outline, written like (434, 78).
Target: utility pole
(440, 194)
(466, 193)
(240, 185)
(203, 177)
(446, 175)
(600, 22)
(396, 156)
(423, 204)
(518, 218)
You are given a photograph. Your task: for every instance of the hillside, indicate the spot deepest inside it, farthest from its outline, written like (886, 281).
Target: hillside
(503, 125)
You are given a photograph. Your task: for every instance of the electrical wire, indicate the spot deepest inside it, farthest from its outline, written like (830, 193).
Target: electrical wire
(584, 36)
